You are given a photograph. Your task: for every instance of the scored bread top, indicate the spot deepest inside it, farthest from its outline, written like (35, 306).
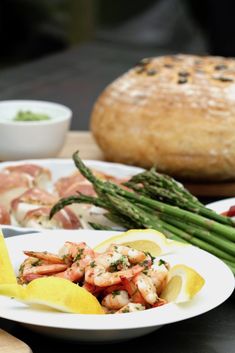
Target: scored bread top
(181, 75)
(177, 112)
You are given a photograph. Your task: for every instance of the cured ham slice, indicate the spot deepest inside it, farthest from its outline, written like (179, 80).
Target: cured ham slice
(38, 176)
(23, 194)
(72, 184)
(4, 216)
(12, 186)
(76, 182)
(30, 200)
(39, 218)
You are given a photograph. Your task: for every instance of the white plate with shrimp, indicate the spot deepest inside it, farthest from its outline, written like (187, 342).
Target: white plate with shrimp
(115, 327)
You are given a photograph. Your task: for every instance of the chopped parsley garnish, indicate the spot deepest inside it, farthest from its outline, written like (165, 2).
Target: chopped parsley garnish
(161, 262)
(115, 292)
(116, 265)
(126, 310)
(147, 253)
(79, 255)
(93, 264)
(22, 267)
(36, 263)
(144, 263)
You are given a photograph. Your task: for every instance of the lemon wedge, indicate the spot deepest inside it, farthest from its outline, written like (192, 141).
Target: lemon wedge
(184, 282)
(7, 274)
(148, 240)
(56, 293)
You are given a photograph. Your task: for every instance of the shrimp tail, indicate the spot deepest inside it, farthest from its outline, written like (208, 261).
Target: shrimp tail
(95, 290)
(46, 256)
(133, 291)
(159, 302)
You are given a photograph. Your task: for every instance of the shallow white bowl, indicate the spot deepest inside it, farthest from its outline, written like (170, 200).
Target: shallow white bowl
(32, 139)
(110, 328)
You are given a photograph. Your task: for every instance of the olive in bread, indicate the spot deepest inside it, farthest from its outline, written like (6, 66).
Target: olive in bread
(176, 112)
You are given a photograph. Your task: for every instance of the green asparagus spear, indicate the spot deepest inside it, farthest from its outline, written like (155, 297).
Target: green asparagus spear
(112, 189)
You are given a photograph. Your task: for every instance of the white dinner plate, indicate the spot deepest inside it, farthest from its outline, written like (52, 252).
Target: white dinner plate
(222, 205)
(105, 328)
(65, 167)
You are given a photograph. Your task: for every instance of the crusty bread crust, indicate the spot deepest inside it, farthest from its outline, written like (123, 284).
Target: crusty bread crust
(175, 112)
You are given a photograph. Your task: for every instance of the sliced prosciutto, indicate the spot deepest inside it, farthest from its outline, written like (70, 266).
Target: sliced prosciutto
(39, 218)
(76, 182)
(38, 175)
(72, 184)
(12, 186)
(30, 200)
(4, 216)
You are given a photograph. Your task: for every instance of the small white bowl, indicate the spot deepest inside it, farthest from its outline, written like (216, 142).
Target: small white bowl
(32, 139)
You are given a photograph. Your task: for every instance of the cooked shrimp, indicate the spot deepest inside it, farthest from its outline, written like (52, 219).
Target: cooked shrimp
(133, 291)
(146, 288)
(159, 302)
(112, 261)
(76, 251)
(75, 272)
(159, 276)
(96, 274)
(134, 256)
(69, 264)
(116, 300)
(130, 308)
(95, 290)
(28, 263)
(108, 311)
(123, 279)
(45, 269)
(81, 255)
(33, 268)
(114, 288)
(45, 255)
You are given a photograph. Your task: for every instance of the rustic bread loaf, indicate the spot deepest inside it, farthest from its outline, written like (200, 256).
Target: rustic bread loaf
(175, 112)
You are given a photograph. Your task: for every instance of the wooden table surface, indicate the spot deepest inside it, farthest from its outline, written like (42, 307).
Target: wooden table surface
(84, 142)
(11, 344)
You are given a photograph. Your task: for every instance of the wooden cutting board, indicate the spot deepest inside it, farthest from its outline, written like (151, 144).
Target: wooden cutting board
(11, 344)
(84, 142)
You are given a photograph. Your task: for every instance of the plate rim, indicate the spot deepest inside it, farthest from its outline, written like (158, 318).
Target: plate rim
(215, 204)
(136, 320)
